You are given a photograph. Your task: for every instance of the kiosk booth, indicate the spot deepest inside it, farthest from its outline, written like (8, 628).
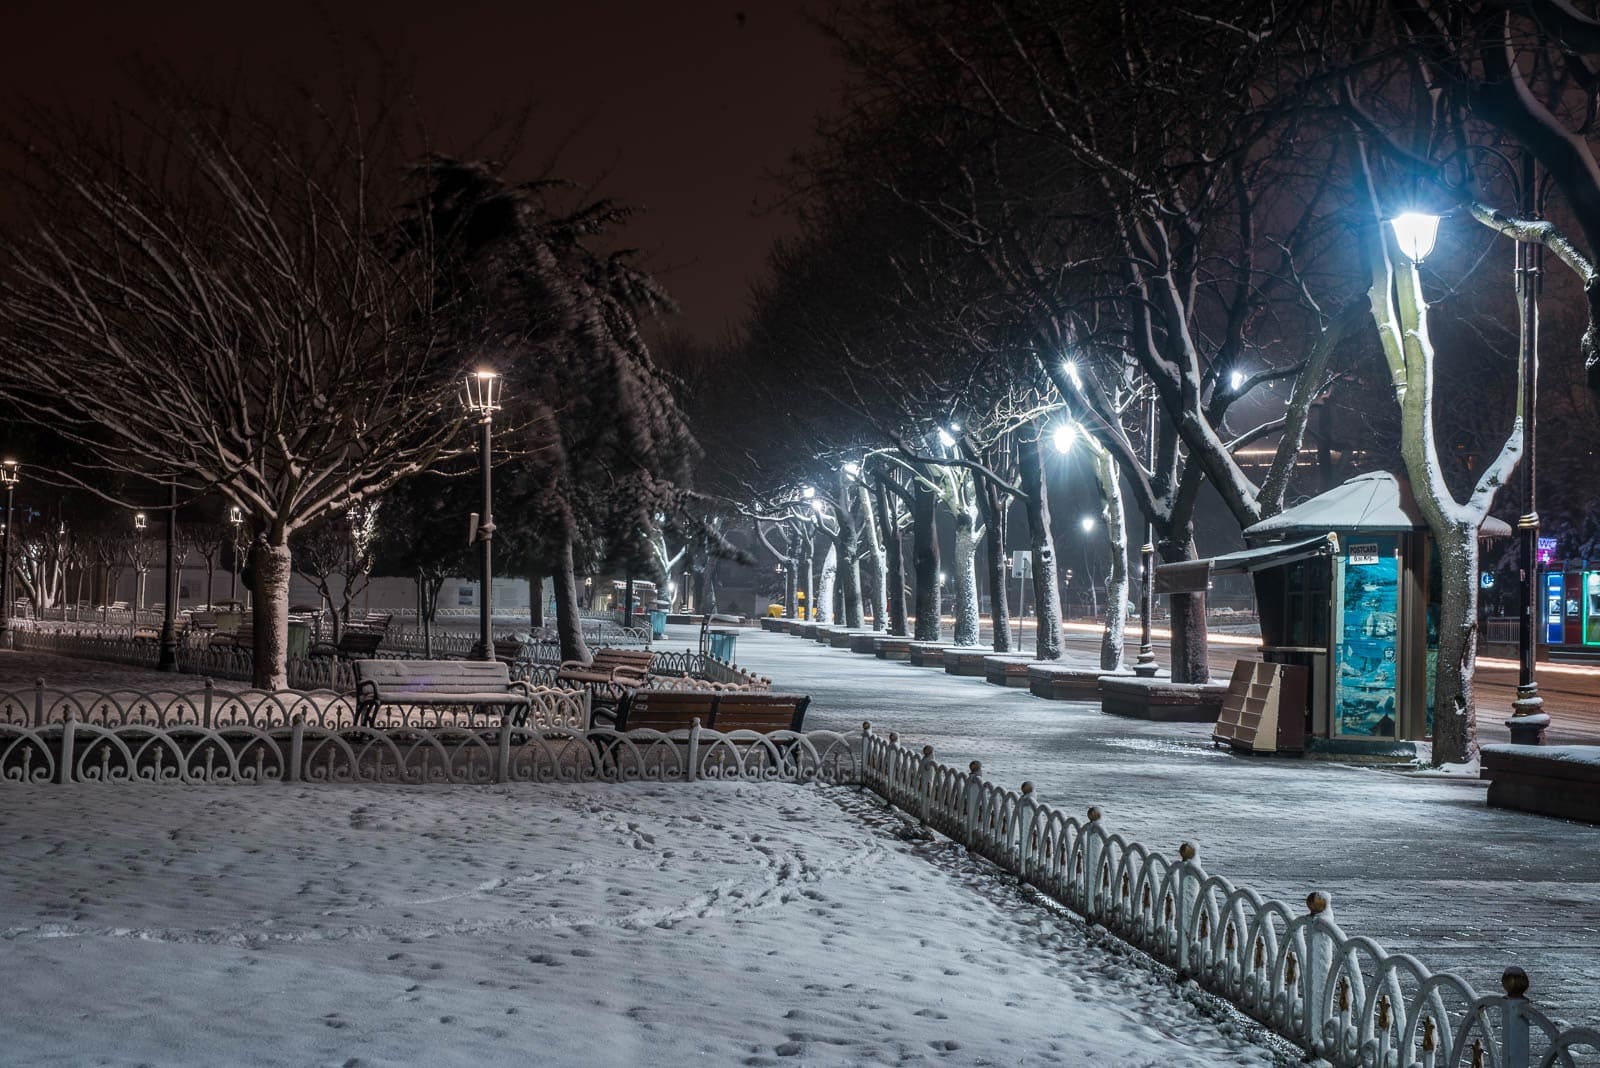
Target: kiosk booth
(1347, 590)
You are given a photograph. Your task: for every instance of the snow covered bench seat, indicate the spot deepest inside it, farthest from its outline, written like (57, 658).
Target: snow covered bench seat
(676, 710)
(484, 684)
(1552, 780)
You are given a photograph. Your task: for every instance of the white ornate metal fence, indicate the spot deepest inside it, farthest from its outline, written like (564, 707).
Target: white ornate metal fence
(77, 752)
(208, 707)
(1340, 997)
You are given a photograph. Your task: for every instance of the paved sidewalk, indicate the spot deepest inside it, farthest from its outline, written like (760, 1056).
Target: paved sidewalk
(1419, 863)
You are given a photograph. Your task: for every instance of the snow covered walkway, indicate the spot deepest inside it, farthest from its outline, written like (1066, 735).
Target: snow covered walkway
(717, 923)
(1420, 864)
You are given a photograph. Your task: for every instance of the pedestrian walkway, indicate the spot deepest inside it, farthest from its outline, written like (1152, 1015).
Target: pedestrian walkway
(1417, 862)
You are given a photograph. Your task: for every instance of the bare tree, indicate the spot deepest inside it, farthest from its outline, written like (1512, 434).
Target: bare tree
(227, 294)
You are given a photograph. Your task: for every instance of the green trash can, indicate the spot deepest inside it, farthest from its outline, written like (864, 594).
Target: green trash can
(720, 644)
(658, 624)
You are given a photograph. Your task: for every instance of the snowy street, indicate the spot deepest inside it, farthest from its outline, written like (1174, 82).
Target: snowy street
(595, 925)
(1420, 863)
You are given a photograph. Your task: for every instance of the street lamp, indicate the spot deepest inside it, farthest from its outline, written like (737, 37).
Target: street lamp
(1063, 437)
(1415, 232)
(236, 519)
(481, 395)
(10, 473)
(167, 656)
(1145, 665)
(140, 525)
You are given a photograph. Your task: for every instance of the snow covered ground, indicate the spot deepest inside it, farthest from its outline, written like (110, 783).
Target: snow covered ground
(1419, 863)
(717, 923)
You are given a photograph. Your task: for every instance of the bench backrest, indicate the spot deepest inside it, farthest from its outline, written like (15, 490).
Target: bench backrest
(608, 657)
(666, 710)
(760, 712)
(432, 676)
(360, 642)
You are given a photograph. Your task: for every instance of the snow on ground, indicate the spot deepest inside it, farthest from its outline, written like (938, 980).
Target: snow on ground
(1421, 864)
(714, 923)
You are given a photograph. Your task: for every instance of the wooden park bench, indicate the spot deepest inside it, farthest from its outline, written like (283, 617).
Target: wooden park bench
(353, 644)
(244, 638)
(625, 666)
(676, 710)
(470, 684)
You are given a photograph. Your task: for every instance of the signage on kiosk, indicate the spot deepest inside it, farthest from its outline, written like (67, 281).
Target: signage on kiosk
(1591, 608)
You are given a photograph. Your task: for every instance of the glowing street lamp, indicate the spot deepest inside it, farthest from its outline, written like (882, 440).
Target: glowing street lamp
(1063, 437)
(946, 438)
(1236, 378)
(852, 469)
(236, 519)
(481, 395)
(1086, 524)
(1415, 232)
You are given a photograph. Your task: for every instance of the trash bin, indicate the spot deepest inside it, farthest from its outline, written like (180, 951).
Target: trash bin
(658, 624)
(299, 643)
(720, 644)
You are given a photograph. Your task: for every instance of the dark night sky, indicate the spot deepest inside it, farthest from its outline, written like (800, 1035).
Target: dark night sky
(681, 106)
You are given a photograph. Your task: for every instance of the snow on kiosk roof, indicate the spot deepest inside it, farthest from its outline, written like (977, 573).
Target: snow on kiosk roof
(1371, 502)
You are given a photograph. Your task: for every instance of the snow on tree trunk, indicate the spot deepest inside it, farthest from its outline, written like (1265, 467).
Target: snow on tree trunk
(569, 624)
(1112, 642)
(877, 565)
(925, 563)
(894, 576)
(966, 580)
(827, 569)
(271, 566)
(1042, 543)
(804, 594)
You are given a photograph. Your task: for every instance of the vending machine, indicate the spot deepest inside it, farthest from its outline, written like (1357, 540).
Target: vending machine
(1555, 588)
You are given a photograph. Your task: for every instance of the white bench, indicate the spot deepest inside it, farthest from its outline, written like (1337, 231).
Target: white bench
(482, 684)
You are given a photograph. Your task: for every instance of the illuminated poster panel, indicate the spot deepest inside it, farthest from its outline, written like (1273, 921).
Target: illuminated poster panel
(1554, 595)
(1367, 638)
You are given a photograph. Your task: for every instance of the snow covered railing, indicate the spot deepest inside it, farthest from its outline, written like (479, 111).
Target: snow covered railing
(300, 752)
(210, 708)
(1340, 997)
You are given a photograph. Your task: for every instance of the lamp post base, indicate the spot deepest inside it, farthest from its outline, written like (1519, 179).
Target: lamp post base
(167, 659)
(1528, 720)
(1146, 667)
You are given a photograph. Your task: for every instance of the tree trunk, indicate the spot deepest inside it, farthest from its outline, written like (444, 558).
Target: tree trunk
(966, 579)
(992, 505)
(878, 566)
(271, 567)
(894, 579)
(569, 623)
(925, 563)
(1113, 642)
(1189, 637)
(1042, 544)
(536, 601)
(850, 575)
(1455, 727)
(826, 563)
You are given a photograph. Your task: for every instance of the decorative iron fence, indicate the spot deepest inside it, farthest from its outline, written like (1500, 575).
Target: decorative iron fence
(76, 752)
(210, 708)
(1340, 997)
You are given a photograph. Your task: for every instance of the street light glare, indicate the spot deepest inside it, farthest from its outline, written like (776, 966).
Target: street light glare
(945, 439)
(1071, 369)
(1064, 437)
(852, 469)
(1087, 523)
(1415, 232)
(816, 506)
(808, 492)
(1235, 380)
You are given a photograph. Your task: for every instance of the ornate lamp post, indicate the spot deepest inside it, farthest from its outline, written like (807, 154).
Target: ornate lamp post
(167, 657)
(1145, 666)
(236, 519)
(140, 525)
(9, 475)
(1087, 526)
(481, 396)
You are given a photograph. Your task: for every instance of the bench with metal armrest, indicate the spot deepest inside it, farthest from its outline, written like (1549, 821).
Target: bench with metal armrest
(473, 684)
